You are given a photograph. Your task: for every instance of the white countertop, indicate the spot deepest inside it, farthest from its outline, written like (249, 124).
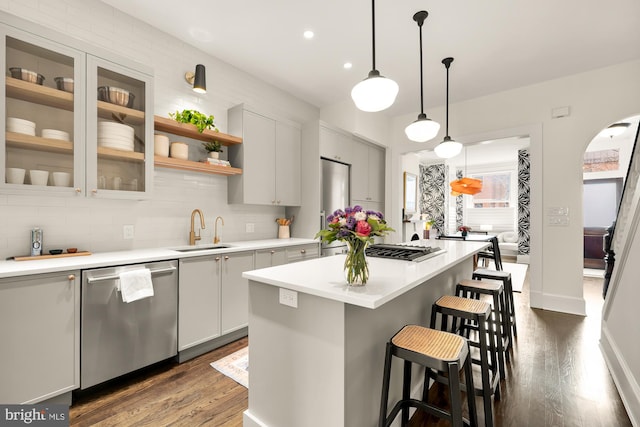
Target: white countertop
(104, 259)
(324, 277)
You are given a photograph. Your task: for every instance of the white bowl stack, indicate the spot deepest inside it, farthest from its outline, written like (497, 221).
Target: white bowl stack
(17, 125)
(55, 134)
(115, 135)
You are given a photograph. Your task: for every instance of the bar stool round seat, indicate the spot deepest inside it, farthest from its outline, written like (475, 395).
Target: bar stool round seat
(501, 325)
(505, 278)
(471, 314)
(442, 352)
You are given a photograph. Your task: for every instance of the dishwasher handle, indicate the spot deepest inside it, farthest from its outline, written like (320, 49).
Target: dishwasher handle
(116, 276)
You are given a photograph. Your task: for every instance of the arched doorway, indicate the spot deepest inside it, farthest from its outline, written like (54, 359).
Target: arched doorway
(606, 162)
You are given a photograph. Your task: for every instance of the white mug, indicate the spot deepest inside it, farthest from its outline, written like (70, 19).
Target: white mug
(102, 182)
(117, 182)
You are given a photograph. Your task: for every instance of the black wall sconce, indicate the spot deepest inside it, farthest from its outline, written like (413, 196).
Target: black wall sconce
(197, 79)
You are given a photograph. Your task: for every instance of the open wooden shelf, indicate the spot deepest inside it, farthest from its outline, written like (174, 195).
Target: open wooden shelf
(107, 110)
(38, 94)
(29, 142)
(187, 130)
(110, 153)
(188, 165)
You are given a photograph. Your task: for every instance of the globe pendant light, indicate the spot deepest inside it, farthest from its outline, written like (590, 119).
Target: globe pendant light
(376, 92)
(423, 129)
(447, 148)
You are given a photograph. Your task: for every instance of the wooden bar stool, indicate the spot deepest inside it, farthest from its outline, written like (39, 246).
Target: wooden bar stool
(505, 278)
(473, 314)
(501, 325)
(443, 352)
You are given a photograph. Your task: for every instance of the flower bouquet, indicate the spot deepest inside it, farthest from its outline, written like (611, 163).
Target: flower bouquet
(464, 229)
(357, 228)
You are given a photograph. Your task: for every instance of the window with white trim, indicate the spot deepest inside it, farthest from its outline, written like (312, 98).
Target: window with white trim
(496, 190)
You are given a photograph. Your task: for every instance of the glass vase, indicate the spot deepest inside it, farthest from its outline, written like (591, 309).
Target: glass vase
(356, 269)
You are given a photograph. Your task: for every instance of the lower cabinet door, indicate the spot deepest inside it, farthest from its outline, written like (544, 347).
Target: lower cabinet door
(41, 342)
(198, 300)
(235, 290)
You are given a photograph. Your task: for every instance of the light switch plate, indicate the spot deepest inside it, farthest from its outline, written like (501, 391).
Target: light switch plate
(128, 231)
(250, 227)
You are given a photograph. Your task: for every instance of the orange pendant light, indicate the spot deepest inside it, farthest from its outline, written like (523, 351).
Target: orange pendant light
(466, 185)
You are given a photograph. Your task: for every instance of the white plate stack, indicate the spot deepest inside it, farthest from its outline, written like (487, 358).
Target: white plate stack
(115, 135)
(21, 126)
(55, 134)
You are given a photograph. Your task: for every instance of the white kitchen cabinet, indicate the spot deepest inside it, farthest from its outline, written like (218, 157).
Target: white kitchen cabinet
(269, 158)
(47, 107)
(367, 173)
(235, 290)
(271, 257)
(198, 301)
(40, 337)
(115, 173)
(93, 170)
(302, 252)
(335, 145)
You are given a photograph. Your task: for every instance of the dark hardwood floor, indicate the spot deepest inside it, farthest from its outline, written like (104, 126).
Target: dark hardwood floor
(557, 377)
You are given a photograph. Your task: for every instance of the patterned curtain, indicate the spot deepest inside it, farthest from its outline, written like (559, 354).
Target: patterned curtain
(524, 190)
(432, 187)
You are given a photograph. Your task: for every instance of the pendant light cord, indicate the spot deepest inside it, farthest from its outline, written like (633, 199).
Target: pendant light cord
(421, 84)
(373, 32)
(446, 126)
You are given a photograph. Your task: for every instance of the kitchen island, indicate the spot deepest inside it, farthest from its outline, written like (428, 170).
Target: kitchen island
(317, 346)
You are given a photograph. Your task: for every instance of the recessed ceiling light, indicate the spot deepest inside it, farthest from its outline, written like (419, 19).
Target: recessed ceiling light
(308, 34)
(347, 65)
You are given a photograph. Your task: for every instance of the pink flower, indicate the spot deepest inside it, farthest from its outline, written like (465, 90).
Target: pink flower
(363, 228)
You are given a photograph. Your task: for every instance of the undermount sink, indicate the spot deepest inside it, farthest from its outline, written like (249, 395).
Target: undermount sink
(201, 248)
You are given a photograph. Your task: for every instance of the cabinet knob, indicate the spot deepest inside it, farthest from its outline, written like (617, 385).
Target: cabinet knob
(226, 257)
(71, 277)
(94, 191)
(278, 202)
(273, 202)
(78, 190)
(302, 251)
(217, 258)
(272, 252)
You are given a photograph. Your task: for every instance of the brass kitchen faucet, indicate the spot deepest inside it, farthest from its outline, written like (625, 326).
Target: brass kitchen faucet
(192, 234)
(216, 239)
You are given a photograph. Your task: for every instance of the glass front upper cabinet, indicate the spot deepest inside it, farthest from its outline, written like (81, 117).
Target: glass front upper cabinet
(119, 130)
(43, 144)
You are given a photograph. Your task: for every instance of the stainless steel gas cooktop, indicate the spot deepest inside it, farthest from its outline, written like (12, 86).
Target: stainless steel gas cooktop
(404, 252)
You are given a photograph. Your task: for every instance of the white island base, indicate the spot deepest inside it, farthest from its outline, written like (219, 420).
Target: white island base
(320, 364)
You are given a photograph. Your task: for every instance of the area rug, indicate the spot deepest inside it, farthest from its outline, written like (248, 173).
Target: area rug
(235, 366)
(518, 273)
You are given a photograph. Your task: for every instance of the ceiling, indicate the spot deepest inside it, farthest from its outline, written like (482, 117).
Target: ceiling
(497, 45)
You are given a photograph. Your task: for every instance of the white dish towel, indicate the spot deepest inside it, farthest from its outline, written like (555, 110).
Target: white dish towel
(136, 284)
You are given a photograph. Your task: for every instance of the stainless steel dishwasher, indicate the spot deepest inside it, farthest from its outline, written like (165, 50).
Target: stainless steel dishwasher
(118, 337)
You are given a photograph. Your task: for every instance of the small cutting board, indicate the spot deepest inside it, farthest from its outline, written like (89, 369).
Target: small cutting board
(64, 255)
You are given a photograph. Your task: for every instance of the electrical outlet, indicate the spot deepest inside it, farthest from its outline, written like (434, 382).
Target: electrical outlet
(289, 297)
(250, 227)
(128, 232)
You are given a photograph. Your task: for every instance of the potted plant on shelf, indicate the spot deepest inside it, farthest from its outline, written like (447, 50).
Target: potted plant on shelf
(196, 118)
(214, 148)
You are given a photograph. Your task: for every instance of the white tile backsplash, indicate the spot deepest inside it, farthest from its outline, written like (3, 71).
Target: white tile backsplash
(96, 224)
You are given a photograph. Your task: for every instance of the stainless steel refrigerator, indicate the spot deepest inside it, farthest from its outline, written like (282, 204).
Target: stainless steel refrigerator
(335, 195)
